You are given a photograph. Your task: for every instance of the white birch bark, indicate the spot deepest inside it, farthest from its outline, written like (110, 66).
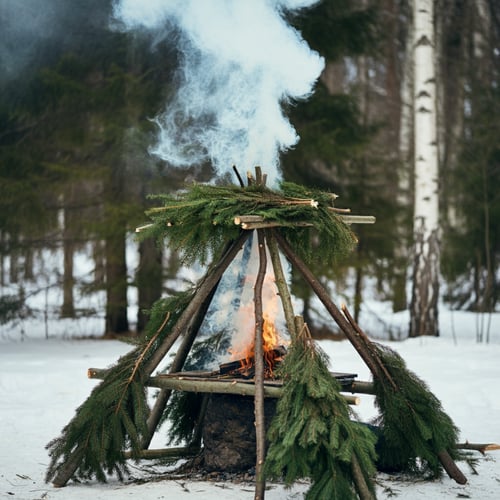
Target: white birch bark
(424, 303)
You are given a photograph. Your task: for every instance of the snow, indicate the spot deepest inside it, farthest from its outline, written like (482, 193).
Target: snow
(42, 381)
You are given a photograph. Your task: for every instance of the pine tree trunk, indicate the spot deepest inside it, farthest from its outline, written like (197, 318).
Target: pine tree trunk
(424, 303)
(149, 279)
(68, 305)
(405, 149)
(116, 283)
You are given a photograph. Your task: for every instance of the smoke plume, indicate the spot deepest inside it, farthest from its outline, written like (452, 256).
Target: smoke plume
(241, 64)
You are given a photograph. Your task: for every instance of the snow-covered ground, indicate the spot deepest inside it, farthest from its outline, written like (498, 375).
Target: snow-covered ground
(43, 381)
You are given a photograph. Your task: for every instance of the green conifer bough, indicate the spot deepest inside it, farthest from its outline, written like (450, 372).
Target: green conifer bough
(312, 435)
(414, 426)
(199, 221)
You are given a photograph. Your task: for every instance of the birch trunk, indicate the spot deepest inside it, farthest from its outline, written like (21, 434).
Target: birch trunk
(424, 302)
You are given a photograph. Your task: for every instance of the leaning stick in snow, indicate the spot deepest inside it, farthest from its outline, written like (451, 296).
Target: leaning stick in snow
(281, 284)
(359, 480)
(359, 341)
(69, 467)
(366, 341)
(260, 429)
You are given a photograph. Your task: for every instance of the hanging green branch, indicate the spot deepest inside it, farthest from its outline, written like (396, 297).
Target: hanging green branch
(415, 429)
(200, 220)
(313, 436)
(417, 435)
(114, 417)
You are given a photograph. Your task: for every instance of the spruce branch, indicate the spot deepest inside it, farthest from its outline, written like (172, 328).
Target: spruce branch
(114, 417)
(417, 433)
(198, 221)
(312, 434)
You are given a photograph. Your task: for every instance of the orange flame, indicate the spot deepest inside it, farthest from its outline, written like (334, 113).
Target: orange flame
(270, 341)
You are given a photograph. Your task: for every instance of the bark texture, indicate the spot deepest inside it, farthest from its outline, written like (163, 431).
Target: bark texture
(424, 303)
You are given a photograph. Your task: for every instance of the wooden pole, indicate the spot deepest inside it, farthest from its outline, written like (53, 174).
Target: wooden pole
(480, 447)
(204, 289)
(180, 358)
(279, 275)
(362, 488)
(260, 430)
(69, 467)
(189, 383)
(250, 222)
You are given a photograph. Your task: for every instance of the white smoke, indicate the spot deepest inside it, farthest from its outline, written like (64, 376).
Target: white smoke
(241, 63)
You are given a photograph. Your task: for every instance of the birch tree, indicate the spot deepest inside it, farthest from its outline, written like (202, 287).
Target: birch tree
(425, 293)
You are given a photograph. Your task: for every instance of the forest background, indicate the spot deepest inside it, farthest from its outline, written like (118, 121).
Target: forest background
(77, 100)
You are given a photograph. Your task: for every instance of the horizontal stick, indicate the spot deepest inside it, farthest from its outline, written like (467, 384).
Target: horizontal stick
(268, 224)
(139, 229)
(258, 222)
(359, 387)
(250, 222)
(340, 210)
(481, 447)
(240, 219)
(217, 386)
(358, 219)
(182, 452)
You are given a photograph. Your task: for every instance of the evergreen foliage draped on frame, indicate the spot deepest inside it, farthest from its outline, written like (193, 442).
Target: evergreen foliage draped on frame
(198, 221)
(312, 435)
(414, 427)
(114, 417)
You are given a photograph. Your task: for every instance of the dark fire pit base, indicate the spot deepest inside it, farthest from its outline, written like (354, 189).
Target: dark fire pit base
(229, 432)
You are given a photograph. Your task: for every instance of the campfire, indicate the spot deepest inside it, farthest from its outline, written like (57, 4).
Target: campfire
(241, 395)
(242, 362)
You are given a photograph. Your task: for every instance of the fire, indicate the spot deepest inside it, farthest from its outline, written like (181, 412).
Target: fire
(270, 341)
(272, 347)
